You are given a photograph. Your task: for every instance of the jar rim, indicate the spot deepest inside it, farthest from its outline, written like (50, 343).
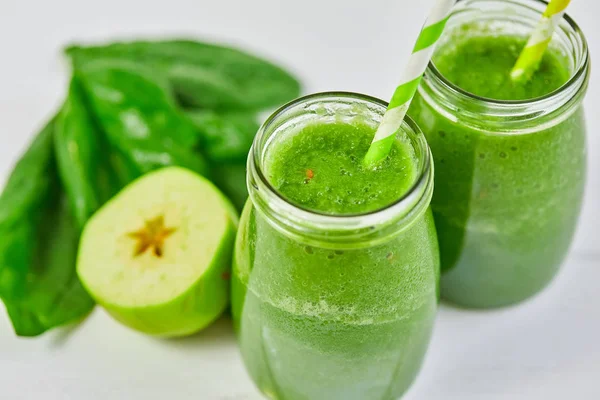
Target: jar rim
(581, 69)
(349, 225)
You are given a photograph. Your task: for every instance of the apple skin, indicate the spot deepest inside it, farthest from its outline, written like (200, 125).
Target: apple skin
(192, 310)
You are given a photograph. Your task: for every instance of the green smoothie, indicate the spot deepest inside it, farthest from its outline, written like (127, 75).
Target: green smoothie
(321, 169)
(506, 197)
(316, 322)
(481, 65)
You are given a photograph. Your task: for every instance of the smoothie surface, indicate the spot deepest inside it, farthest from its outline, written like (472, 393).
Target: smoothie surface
(481, 65)
(320, 168)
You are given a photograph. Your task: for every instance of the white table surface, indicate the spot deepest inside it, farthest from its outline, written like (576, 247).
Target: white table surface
(547, 348)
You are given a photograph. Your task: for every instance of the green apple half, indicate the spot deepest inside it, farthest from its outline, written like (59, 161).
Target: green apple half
(157, 256)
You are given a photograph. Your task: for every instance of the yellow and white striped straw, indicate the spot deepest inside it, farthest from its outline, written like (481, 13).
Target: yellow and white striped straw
(530, 57)
(404, 93)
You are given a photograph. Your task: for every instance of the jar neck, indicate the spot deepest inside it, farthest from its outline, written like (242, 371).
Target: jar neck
(514, 18)
(325, 230)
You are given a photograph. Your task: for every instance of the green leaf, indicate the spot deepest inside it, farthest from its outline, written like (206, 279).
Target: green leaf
(54, 295)
(21, 203)
(226, 136)
(203, 75)
(83, 157)
(231, 179)
(38, 283)
(140, 118)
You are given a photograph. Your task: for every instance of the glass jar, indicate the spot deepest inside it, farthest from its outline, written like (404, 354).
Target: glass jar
(509, 174)
(330, 306)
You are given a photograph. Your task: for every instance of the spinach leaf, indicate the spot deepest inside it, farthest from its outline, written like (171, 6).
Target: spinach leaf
(83, 157)
(231, 179)
(21, 203)
(140, 118)
(203, 75)
(226, 136)
(38, 283)
(54, 295)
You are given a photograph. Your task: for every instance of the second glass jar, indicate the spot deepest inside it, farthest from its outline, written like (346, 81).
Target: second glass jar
(509, 174)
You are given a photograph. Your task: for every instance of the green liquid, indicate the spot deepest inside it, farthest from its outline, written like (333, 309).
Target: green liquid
(317, 323)
(481, 65)
(505, 205)
(321, 169)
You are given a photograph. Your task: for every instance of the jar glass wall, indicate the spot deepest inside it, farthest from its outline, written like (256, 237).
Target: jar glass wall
(509, 173)
(329, 306)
